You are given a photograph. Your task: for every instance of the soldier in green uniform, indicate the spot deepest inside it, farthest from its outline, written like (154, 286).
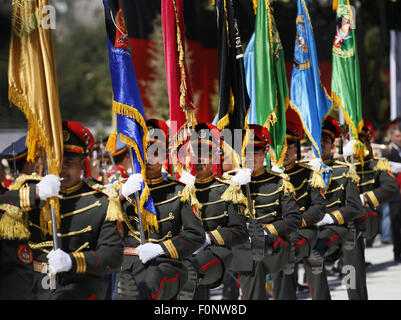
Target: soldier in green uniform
(271, 206)
(376, 185)
(223, 220)
(309, 195)
(16, 268)
(155, 270)
(337, 232)
(89, 243)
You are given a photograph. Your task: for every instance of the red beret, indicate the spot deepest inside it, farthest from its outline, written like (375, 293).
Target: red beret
(367, 129)
(77, 138)
(157, 124)
(261, 136)
(331, 127)
(294, 125)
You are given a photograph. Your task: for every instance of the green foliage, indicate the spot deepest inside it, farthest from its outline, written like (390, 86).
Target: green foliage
(83, 75)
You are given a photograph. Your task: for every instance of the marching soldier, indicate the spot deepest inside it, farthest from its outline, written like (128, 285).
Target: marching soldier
(16, 268)
(376, 185)
(308, 185)
(223, 220)
(274, 209)
(155, 270)
(89, 243)
(337, 232)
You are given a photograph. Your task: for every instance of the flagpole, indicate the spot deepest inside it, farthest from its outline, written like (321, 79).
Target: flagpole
(142, 232)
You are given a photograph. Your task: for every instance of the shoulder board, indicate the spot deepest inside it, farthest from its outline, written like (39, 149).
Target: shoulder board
(17, 184)
(282, 175)
(343, 163)
(307, 166)
(382, 164)
(99, 188)
(222, 180)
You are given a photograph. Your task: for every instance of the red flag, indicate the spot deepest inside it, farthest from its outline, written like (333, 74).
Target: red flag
(182, 109)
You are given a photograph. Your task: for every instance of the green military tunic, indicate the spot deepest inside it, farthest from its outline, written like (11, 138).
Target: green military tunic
(378, 185)
(308, 186)
(87, 233)
(274, 206)
(224, 221)
(16, 267)
(344, 205)
(180, 233)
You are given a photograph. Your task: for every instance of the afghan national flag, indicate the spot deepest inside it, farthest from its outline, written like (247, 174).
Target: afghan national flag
(308, 95)
(233, 96)
(271, 89)
(345, 78)
(127, 103)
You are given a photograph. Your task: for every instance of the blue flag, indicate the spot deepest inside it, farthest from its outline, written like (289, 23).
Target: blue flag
(307, 94)
(127, 103)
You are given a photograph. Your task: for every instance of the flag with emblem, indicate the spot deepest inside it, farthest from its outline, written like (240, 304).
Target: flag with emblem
(32, 81)
(307, 94)
(345, 77)
(271, 88)
(127, 103)
(233, 96)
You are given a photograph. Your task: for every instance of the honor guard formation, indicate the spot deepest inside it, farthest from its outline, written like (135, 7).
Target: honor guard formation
(173, 209)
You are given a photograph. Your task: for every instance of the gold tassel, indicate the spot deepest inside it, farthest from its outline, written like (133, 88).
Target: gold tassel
(383, 165)
(335, 5)
(189, 195)
(12, 224)
(114, 212)
(353, 175)
(287, 185)
(112, 142)
(317, 180)
(234, 194)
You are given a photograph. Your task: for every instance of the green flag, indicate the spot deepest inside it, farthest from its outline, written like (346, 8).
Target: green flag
(271, 88)
(345, 78)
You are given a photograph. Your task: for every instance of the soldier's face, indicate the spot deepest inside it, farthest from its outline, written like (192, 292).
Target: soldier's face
(71, 170)
(327, 145)
(365, 141)
(291, 154)
(204, 164)
(2, 173)
(255, 159)
(155, 157)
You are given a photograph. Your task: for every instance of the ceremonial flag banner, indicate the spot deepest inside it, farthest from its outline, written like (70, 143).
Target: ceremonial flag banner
(182, 109)
(233, 96)
(32, 80)
(345, 78)
(307, 94)
(127, 103)
(271, 89)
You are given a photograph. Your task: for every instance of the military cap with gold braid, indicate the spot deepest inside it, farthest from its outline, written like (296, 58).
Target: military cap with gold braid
(78, 139)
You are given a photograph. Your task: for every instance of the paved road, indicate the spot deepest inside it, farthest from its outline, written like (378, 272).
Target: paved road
(383, 277)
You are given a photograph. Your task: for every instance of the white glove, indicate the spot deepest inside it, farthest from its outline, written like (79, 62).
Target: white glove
(395, 166)
(348, 149)
(327, 219)
(362, 198)
(277, 169)
(132, 185)
(187, 178)
(148, 251)
(204, 245)
(243, 176)
(49, 186)
(59, 261)
(315, 163)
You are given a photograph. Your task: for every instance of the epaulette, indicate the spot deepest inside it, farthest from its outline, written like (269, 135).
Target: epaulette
(22, 179)
(317, 180)
(223, 180)
(382, 164)
(351, 172)
(114, 212)
(12, 223)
